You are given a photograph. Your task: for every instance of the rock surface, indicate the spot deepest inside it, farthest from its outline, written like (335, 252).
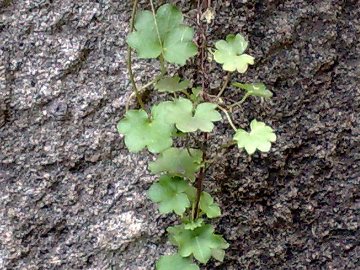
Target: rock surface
(71, 195)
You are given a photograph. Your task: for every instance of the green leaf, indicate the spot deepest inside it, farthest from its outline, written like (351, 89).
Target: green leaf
(192, 225)
(171, 194)
(172, 84)
(175, 233)
(180, 112)
(178, 45)
(218, 254)
(230, 53)
(140, 132)
(208, 206)
(145, 31)
(195, 95)
(200, 242)
(260, 137)
(196, 91)
(175, 262)
(178, 162)
(173, 39)
(254, 89)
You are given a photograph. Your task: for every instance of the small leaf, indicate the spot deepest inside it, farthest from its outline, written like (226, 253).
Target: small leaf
(230, 53)
(175, 40)
(140, 132)
(192, 225)
(175, 262)
(171, 84)
(254, 89)
(196, 91)
(171, 194)
(199, 242)
(178, 162)
(180, 113)
(195, 95)
(260, 137)
(208, 206)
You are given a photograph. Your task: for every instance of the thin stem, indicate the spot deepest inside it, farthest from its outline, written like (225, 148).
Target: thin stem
(186, 94)
(129, 59)
(163, 68)
(142, 89)
(228, 118)
(226, 82)
(127, 105)
(204, 83)
(188, 150)
(192, 211)
(239, 102)
(199, 184)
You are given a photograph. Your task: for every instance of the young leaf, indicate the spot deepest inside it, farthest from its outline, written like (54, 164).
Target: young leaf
(260, 137)
(180, 113)
(171, 84)
(230, 53)
(171, 194)
(208, 206)
(200, 242)
(192, 225)
(195, 96)
(175, 262)
(254, 89)
(172, 39)
(178, 162)
(196, 91)
(140, 132)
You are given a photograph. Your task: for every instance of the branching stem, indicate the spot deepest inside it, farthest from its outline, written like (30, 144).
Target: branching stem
(239, 102)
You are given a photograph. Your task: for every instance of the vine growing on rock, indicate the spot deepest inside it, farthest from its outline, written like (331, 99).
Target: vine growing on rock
(186, 111)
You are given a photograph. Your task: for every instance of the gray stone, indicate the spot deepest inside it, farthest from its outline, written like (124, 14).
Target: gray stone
(71, 195)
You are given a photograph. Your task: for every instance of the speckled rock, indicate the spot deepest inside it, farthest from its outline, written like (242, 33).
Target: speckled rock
(71, 195)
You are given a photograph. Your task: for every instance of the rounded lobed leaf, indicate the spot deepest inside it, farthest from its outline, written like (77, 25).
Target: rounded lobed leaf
(230, 53)
(178, 45)
(255, 89)
(208, 206)
(200, 242)
(192, 225)
(260, 137)
(172, 38)
(144, 39)
(171, 194)
(140, 132)
(180, 112)
(175, 262)
(172, 84)
(178, 162)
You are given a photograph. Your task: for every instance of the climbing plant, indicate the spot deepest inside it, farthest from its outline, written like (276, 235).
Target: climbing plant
(186, 111)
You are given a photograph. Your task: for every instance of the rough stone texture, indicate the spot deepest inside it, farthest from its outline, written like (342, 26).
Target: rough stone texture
(71, 195)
